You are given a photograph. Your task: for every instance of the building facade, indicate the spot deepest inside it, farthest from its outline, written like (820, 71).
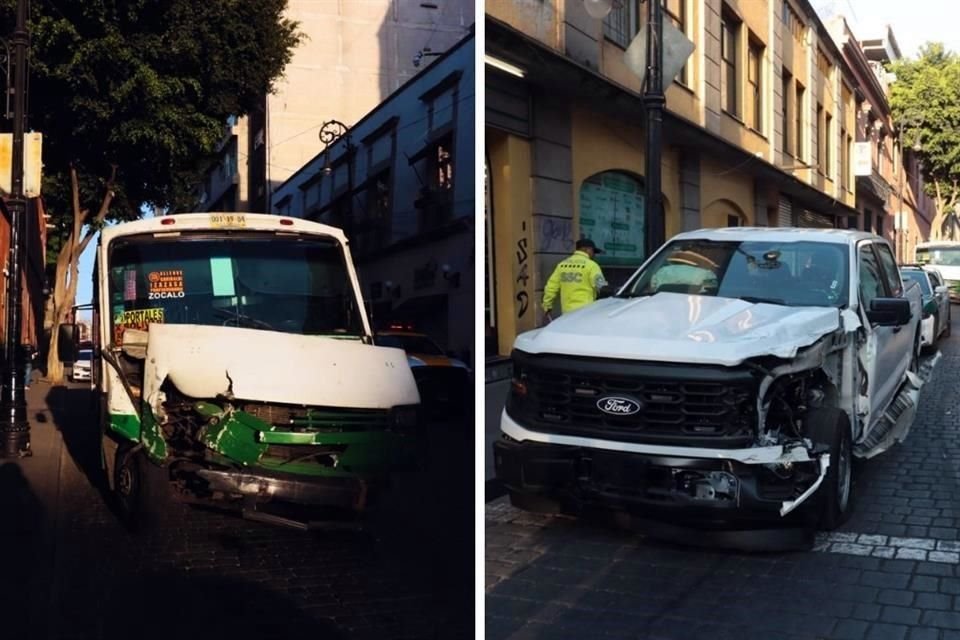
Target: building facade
(354, 55)
(759, 129)
(33, 276)
(400, 182)
(890, 200)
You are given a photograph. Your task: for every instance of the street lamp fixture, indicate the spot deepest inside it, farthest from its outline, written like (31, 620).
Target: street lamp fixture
(330, 133)
(598, 9)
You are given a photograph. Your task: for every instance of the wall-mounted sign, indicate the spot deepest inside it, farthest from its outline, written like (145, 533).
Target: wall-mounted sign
(862, 159)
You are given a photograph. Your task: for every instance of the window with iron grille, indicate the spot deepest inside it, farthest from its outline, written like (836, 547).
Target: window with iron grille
(373, 227)
(729, 46)
(821, 139)
(828, 143)
(755, 85)
(676, 12)
(622, 23)
(846, 143)
(823, 64)
(786, 82)
(436, 200)
(798, 117)
(793, 22)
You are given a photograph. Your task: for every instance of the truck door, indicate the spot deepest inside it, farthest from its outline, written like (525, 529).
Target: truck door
(903, 338)
(886, 367)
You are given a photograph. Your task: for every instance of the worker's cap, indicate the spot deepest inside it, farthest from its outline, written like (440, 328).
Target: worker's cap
(586, 243)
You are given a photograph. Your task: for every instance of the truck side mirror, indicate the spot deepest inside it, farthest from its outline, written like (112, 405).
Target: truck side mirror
(889, 312)
(941, 289)
(68, 342)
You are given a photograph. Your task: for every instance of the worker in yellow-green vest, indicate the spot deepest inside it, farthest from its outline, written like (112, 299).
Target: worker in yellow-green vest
(577, 279)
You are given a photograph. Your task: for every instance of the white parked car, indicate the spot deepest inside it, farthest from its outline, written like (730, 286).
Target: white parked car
(936, 303)
(81, 366)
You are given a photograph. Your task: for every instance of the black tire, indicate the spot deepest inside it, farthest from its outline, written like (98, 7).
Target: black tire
(142, 490)
(829, 426)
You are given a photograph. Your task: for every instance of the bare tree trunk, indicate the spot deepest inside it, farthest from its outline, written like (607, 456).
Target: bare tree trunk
(937, 223)
(68, 270)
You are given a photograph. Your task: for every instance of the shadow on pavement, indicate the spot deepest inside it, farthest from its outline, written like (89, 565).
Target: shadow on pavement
(425, 523)
(72, 412)
(166, 605)
(22, 521)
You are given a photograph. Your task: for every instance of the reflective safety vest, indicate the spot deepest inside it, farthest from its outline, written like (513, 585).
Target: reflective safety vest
(577, 279)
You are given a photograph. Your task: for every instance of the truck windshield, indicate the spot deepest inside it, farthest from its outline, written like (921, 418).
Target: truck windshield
(290, 284)
(785, 273)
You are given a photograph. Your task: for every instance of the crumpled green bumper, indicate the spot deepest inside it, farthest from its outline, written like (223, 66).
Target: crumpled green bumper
(245, 438)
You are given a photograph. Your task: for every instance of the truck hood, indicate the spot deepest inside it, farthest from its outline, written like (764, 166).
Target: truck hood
(673, 327)
(267, 366)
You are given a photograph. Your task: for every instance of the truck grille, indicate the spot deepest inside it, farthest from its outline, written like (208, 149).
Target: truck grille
(691, 406)
(297, 418)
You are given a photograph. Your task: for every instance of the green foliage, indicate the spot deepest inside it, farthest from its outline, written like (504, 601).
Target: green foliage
(146, 86)
(925, 100)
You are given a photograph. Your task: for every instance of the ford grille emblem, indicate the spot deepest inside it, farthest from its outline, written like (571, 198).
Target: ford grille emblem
(616, 406)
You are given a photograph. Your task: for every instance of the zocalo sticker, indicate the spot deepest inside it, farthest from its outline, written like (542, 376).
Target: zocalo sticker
(164, 295)
(618, 406)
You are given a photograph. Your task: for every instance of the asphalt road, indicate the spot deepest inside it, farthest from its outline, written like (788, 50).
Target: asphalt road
(892, 572)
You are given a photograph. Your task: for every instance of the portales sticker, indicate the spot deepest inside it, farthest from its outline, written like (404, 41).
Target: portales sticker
(137, 319)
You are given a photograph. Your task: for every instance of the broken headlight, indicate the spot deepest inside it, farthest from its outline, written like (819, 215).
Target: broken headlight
(518, 388)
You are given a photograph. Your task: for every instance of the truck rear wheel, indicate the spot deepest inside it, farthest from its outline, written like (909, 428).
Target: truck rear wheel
(829, 426)
(142, 489)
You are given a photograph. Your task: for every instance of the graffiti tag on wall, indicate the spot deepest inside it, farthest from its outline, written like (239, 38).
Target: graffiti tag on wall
(523, 272)
(555, 235)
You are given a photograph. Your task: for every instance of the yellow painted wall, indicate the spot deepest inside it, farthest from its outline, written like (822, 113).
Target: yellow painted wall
(510, 166)
(600, 144)
(719, 186)
(536, 18)
(681, 100)
(755, 18)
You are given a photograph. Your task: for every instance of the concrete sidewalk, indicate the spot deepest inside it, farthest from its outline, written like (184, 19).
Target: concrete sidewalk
(30, 504)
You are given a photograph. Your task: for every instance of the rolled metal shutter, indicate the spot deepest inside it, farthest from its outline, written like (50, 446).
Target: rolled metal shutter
(815, 220)
(785, 213)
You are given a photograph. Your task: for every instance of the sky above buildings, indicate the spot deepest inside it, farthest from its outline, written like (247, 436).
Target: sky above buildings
(914, 22)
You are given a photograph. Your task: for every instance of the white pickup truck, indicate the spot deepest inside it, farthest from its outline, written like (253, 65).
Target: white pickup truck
(732, 379)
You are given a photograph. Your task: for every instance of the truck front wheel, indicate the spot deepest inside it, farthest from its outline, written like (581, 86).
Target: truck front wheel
(829, 426)
(142, 489)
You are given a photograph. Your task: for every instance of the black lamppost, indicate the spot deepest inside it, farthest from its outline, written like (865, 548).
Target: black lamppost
(654, 101)
(331, 132)
(16, 428)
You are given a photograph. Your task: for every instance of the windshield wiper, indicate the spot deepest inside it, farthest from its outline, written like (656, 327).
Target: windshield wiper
(761, 300)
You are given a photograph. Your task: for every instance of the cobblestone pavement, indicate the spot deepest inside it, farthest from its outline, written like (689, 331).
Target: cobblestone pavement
(213, 575)
(892, 572)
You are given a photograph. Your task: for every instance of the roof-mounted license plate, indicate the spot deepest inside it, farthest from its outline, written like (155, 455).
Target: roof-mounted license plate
(228, 220)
